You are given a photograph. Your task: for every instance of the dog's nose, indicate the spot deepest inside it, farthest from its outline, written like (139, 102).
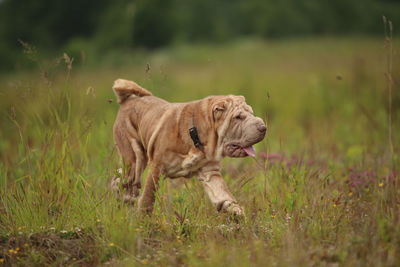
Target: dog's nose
(262, 128)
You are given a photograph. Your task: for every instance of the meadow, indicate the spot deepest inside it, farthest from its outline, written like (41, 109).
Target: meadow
(323, 190)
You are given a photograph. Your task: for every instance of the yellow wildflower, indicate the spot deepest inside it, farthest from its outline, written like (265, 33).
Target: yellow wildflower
(111, 244)
(350, 194)
(380, 184)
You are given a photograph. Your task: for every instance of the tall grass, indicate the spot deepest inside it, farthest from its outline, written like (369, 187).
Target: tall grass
(321, 191)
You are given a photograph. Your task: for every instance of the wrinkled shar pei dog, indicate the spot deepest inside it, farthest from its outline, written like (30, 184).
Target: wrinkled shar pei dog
(181, 140)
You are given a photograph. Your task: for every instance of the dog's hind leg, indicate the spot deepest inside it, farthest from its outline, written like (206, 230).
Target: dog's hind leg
(125, 137)
(135, 174)
(129, 195)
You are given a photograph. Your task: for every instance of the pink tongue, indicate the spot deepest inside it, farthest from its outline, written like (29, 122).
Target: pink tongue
(250, 151)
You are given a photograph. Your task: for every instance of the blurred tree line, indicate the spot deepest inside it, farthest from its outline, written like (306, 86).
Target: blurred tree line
(123, 24)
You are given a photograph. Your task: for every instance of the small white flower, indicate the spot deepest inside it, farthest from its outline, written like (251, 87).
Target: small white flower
(119, 170)
(63, 231)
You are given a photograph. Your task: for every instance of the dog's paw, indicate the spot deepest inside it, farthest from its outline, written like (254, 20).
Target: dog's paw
(233, 208)
(129, 199)
(145, 204)
(131, 195)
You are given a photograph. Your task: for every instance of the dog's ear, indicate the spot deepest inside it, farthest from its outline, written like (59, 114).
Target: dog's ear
(219, 108)
(124, 89)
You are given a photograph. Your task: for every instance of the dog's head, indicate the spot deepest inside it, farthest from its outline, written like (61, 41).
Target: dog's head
(237, 127)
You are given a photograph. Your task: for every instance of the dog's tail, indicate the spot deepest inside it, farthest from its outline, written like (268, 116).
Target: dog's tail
(124, 89)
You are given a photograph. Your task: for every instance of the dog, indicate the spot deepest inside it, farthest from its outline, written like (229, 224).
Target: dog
(181, 140)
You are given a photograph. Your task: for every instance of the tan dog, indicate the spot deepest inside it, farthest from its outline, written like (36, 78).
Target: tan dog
(182, 140)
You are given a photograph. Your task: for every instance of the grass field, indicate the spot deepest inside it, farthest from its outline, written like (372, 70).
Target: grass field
(323, 190)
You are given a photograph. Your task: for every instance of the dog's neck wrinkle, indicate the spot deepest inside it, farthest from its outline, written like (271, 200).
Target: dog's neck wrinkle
(209, 133)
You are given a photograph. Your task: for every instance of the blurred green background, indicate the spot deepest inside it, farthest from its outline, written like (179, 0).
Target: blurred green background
(97, 28)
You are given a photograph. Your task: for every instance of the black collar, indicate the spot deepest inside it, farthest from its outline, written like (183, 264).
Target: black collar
(195, 137)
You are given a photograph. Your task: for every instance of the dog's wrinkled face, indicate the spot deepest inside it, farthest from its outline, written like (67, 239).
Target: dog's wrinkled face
(237, 127)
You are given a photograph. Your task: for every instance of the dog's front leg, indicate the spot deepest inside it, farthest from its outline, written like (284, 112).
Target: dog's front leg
(218, 192)
(146, 200)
